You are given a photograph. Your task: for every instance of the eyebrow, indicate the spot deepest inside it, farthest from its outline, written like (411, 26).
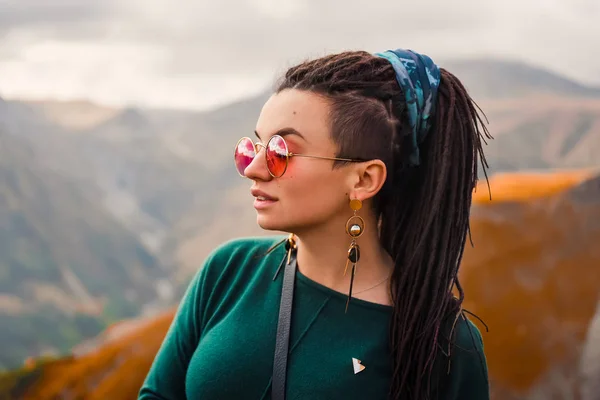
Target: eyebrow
(285, 132)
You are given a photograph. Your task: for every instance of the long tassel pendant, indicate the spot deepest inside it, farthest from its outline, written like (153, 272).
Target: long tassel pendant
(351, 284)
(346, 269)
(353, 257)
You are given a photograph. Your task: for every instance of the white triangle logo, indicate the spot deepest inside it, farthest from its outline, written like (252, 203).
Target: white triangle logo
(356, 363)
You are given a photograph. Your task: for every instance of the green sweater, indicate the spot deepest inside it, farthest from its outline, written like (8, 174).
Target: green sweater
(221, 342)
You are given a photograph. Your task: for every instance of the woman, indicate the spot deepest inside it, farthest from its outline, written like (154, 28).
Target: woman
(369, 160)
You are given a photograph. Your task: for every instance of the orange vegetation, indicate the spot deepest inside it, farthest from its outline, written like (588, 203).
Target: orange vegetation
(527, 186)
(114, 371)
(532, 276)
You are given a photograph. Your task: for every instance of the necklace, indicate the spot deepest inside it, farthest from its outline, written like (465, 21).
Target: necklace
(372, 287)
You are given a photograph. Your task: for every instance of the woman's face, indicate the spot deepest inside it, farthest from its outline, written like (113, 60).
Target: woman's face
(310, 193)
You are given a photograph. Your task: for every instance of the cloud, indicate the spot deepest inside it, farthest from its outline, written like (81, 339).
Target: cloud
(200, 53)
(73, 16)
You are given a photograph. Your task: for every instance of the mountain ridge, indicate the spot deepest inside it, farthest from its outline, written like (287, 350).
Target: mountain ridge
(538, 79)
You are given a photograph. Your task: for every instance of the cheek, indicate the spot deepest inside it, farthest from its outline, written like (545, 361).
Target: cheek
(315, 194)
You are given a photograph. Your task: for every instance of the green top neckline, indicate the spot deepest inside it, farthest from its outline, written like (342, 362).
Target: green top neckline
(341, 296)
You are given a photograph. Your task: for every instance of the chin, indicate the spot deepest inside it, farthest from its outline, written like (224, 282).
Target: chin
(271, 223)
(268, 223)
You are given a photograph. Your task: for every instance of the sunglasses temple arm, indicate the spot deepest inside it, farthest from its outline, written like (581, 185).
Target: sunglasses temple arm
(321, 157)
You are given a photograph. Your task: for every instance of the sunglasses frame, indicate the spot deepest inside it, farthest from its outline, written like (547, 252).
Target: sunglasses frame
(287, 156)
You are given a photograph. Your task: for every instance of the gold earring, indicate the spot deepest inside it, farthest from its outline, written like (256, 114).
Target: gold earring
(355, 226)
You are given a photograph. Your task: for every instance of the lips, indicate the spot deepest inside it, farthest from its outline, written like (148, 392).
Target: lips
(263, 200)
(262, 196)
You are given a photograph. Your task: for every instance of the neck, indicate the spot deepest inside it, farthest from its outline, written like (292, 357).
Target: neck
(323, 253)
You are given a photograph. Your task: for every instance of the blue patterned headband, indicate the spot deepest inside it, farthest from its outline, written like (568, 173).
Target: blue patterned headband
(419, 79)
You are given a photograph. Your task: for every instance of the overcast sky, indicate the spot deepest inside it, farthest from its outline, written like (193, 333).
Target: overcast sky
(196, 54)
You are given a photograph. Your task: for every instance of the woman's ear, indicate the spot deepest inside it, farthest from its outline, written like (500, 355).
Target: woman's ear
(369, 179)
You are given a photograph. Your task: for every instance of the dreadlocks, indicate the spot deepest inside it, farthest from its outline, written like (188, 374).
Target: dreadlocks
(423, 211)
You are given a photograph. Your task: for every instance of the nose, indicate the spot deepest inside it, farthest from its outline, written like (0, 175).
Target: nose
(257, 169)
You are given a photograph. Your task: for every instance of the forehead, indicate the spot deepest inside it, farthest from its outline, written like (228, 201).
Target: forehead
(303, 111)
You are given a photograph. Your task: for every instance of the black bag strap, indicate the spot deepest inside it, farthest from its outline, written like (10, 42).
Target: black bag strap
(283, 331)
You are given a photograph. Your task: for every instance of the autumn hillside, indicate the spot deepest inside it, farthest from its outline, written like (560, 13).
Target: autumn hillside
(533, 276)
(114, 370)
(530, 277)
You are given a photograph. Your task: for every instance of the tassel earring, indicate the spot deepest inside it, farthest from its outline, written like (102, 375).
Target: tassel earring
(355, 227)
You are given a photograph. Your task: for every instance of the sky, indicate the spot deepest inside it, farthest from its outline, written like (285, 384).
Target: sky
(200, 54)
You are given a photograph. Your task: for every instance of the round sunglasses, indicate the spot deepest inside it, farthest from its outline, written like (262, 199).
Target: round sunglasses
(276, 154)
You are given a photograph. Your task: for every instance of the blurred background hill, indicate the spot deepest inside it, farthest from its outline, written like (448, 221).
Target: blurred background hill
(116, 176)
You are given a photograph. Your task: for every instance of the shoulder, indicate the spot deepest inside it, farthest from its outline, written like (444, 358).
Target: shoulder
(467, 335)
(227, 269)
(240, 250)
(236, 258)
(245, 245)
(468, 366)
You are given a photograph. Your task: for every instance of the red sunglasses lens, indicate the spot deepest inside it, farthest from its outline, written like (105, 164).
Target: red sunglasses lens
(244, 154)
(277, 151)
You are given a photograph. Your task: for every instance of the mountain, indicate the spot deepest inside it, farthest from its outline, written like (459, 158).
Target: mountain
(67, 267)
(543, 132)
(528, 277)
(97, 192)
(539, 119)
(502, 79)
